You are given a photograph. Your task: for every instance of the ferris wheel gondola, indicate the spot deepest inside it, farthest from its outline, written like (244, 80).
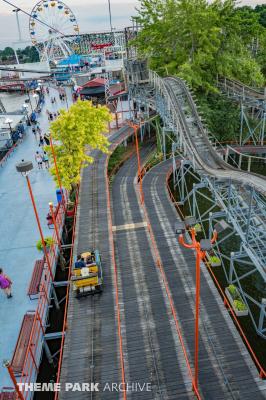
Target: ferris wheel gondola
(51, 23)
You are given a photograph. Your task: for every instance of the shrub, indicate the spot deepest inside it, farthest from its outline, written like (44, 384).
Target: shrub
(214, 259)
(49, 241)
(239, 305)
(233, 291)
(198, 228)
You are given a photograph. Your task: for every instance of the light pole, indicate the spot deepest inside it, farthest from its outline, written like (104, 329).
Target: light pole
(13, 378)
(40, 86)
(110, 15)
(136, 127)
(201, 248)
(16, 10)
(8, 122)
(28, 93)
(19, 32)
(35, 95)
(25, 107)
(24, 167)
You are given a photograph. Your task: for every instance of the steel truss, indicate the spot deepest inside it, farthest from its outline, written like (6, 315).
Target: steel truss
(252, 104)
(242, 207)
(115, 40)
(244, 210)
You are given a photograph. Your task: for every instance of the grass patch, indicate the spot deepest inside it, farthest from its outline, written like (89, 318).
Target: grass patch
(118, 157)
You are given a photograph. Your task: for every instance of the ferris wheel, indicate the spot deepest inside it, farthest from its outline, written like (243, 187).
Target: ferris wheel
(50, 24)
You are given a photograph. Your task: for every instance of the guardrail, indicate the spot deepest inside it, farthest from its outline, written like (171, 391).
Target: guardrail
(34, 348)
(67, 293)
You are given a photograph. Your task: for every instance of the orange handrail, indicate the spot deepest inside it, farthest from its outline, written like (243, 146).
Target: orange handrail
(64, 328)
(115, 144)
(33, 351)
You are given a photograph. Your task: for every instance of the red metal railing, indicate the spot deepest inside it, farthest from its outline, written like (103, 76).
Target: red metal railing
(112, 148)
(67, 293)
(34, 347)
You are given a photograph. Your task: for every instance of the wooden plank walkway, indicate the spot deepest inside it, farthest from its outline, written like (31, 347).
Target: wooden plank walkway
(151, 348)
(91, 348)
(226, 370)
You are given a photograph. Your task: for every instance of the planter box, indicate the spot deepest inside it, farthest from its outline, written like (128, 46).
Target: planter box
(213, 264)
(231, 301)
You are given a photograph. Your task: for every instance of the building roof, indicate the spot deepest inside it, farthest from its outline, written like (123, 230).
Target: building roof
(95, 83)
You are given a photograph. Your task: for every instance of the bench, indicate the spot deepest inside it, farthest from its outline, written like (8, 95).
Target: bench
(22, 343)
(8, 393)
(34, 286)
(50, 219)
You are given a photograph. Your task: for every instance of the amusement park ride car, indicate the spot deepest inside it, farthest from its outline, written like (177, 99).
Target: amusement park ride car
(89, 279)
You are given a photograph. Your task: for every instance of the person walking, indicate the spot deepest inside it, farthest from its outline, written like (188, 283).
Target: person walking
(5, 283)
(39, 130)
(38, 159)
(41, 141)
(47, 139)
(34, 132)
(46, 160)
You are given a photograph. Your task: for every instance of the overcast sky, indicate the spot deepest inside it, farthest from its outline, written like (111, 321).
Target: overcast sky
(92, 15)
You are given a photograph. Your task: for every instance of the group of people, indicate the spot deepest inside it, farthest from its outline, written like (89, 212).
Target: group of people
(36, 130)
(52, 115)
(42, 159)
(62, 96)
(82, 262)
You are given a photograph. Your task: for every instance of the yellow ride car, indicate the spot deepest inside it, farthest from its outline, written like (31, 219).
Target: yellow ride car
(88, 279)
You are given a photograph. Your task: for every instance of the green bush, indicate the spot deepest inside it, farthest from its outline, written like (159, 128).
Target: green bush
(239, 305)
(233, 291)
(214, 259)
(49, 241)
(198, 228)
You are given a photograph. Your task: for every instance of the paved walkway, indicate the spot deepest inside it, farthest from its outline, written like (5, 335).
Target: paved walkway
(19, 234)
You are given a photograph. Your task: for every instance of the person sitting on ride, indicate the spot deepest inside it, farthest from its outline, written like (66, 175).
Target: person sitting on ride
(90, 260)
(80, 263)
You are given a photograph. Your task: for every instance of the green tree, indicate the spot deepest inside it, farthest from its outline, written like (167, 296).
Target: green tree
(75, 133)
(197, 40)
(261, 11)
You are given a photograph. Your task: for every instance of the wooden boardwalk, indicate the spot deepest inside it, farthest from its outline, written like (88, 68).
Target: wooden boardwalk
(150, 345)
(91, 348)
(151, 349)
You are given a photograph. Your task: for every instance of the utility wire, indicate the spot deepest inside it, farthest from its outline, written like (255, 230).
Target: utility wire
(29, 15)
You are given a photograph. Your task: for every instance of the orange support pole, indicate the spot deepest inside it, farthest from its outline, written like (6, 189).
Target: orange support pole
(40, 228)
(135, 127)
(13, 378)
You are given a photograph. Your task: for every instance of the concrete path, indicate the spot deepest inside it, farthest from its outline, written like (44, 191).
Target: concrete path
(19, 233)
